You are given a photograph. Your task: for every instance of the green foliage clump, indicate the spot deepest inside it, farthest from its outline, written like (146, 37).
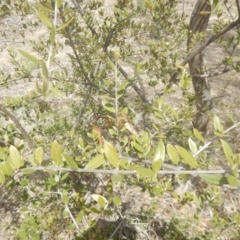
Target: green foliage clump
(89, 133)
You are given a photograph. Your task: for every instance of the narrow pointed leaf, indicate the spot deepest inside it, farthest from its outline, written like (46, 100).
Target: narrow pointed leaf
(192, 145)
(228, 152)
(102, 201)
(96, 162)
(38, 155)
(217, 124)
(156, 165)
(15, 157)
(117, 177)
(38, 88)
(111, 154)
(65, 24)
(44, 86)
(65, 198)
(173, 154)
(198, 135)
(59, 3)
(159, 153)
(232, 181)
(79, 217)
(71, 163)
(45, 20)
(52, 36)
(145, 172)
(217, 179)
(235, 171)
(108, 106)
(29, 57)
(44, 69)
(56, 153)
(6, 168)
(187, 157)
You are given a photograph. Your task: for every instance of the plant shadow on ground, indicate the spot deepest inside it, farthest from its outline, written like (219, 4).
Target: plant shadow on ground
(104, 229)
(122, 229)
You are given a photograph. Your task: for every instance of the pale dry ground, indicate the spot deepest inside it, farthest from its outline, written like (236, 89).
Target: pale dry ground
(227, 86)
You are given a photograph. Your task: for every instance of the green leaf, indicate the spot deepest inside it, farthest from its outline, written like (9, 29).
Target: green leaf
(117, 200)
(236, 158)
(110, 62)
(102, 201)
(198, 135)
(38, 155)
(3, 153)
(235, 171)
(44, 85)
(217, 124)
(71, 163)
(192, 145)
(15, 157)
(228, 152)
(217, 179)
(232, 181)
(159, 153)
(65, 198)
(45, 20)
(117, 177)
(138, 147)
(56, 153)
(71, 226)
(187, 157)
(6, 168)
(81, 142)
(108, 106)
(111, 154)
(29, 57)
(38, 88)
(95, 210)
(45, 7)
(22, 234)
(2, 178)
(44, 69)
(173, 154)
(59, 3)
(145, 172)
(65, 24)
(79, 217)
(52, 36)
(96, 162)
(156, 165)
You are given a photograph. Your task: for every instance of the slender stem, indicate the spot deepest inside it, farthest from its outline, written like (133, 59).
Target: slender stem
(127, 172)
(19, 126)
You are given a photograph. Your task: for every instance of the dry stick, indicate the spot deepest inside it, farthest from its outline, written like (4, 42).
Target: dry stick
(19, 126)
(205, 44)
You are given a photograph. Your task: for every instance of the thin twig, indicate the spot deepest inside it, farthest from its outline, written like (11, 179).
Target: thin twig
(19, 126)
(127, 172)
(205, 44)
